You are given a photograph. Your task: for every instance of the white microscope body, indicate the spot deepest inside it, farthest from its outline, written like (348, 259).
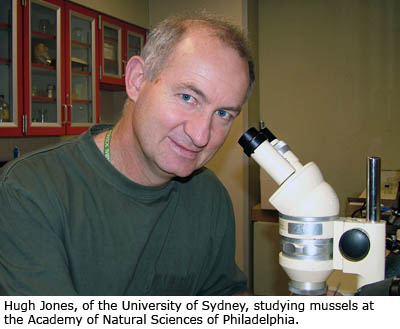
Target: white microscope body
(315, 241)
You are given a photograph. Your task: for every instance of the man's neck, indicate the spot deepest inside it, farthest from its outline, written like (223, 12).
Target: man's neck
(126, 155)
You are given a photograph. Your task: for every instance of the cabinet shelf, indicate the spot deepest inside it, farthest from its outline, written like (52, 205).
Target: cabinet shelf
(38, 66)
(4, 25)
(110, 40)
(111, 61)
(4, 61)
(79, 61)
(43, 35)
(81, 72)
(43, 99)
(82, 101)
(81, 44)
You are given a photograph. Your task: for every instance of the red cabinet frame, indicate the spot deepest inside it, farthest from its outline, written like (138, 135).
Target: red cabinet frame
(15, 128)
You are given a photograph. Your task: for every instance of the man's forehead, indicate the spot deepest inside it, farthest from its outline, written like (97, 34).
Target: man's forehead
(198, 34)
(194, 58)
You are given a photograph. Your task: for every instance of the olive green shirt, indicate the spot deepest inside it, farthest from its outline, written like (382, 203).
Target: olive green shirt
(70, 224)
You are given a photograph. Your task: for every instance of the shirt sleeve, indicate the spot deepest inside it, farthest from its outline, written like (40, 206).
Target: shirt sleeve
(225, 278)
(33, 260)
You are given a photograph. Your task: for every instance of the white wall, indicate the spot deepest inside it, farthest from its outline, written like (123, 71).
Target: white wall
(131, 11)
(329, 84)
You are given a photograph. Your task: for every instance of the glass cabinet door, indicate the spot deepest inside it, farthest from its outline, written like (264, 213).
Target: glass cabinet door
(82, 84)
(111, 39)
(5, 61)
(135, 44)
(9, 67)
(119, 42)
(111, 50)
(45, 62)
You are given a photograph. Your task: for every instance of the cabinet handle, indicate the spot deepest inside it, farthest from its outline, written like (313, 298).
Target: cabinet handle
(65, 114)
(24, 123)
(70, 112)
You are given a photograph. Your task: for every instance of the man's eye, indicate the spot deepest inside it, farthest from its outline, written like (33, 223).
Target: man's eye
(187, 98)
(223, 114)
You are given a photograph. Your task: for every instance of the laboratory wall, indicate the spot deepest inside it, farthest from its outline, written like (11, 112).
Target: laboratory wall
(131, 11)
(329, 84)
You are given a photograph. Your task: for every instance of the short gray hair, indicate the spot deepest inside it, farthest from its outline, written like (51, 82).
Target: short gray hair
(165, 36)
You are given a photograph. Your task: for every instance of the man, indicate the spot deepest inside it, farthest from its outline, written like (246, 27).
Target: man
(131, 210)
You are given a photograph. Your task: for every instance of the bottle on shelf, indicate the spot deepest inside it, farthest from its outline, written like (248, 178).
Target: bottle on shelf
(4, 110)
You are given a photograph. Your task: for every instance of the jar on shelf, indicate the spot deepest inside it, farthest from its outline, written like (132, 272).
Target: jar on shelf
(51, 91)
(4, 110)
(44, 25)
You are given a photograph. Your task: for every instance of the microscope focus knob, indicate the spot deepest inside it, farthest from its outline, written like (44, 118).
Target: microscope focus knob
(354, 245)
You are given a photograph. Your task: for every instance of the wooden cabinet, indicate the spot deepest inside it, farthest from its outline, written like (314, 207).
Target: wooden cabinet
(53, 55)
(118, 42)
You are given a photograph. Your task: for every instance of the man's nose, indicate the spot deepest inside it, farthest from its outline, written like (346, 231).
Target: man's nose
(198, 128)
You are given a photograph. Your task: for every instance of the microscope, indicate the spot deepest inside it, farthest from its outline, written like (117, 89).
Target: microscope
(315, 240)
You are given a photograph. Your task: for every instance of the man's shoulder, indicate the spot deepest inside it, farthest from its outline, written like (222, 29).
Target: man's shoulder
(51, 157)
(43, 163)
(35, 160)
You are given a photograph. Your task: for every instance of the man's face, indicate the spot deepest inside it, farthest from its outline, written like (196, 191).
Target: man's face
(183, 117)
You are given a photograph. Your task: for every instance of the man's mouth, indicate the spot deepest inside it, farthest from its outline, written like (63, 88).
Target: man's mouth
(183, 150)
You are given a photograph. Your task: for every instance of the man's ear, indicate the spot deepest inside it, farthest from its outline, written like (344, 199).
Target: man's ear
(134, 76)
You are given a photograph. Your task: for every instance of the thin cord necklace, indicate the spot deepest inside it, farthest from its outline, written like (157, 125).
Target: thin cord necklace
(107, 142)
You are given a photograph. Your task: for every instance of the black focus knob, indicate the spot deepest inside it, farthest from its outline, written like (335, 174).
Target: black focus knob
(354, 245)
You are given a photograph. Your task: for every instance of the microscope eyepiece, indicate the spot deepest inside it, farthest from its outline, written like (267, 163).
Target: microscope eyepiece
(251, 139)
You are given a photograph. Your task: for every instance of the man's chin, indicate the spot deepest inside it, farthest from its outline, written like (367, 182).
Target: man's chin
(184, 174)
(181, 172)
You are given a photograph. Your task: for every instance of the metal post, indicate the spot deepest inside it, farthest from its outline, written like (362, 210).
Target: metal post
(374, 189)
